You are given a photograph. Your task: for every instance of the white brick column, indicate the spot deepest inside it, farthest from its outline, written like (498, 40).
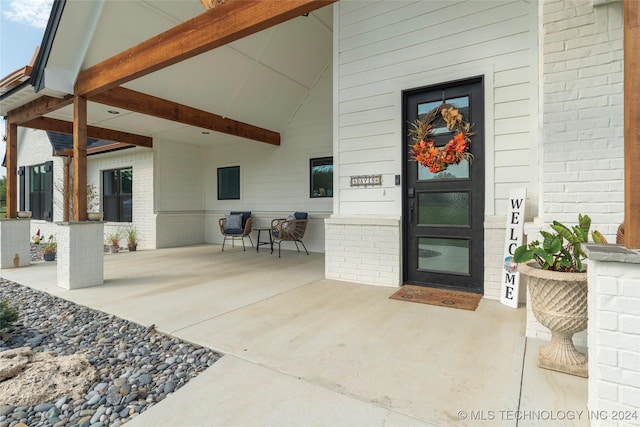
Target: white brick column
(80, 254)
(15, 248)
(614, 335)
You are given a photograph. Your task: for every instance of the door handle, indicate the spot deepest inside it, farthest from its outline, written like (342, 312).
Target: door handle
(411, 209)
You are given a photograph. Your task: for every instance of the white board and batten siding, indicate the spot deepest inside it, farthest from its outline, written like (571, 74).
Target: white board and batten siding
(383, 48)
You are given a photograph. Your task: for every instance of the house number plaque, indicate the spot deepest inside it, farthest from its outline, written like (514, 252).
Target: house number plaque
(366, 180)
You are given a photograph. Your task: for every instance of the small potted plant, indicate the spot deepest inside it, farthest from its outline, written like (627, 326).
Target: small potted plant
(557, 284)
(49, 249)
(113, 240)
(93, 204)
(132, 238)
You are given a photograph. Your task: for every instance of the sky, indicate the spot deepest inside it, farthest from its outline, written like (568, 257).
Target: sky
(22, 24)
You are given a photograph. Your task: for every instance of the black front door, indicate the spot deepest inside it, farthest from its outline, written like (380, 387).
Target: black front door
(444, 211)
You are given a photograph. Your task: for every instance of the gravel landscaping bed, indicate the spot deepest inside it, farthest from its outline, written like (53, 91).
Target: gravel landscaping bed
(138, 366)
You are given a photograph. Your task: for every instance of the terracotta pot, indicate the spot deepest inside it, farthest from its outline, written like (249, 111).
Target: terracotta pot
(559, 302)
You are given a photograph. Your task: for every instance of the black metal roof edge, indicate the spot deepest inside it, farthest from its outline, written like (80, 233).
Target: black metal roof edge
(16, 89)
(37, 74)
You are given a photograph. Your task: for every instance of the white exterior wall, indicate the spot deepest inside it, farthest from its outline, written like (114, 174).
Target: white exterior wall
(383, 48)
(274, 180)
(141, 161)
(582, 114)
(180, 188)
(175, 184)
(34, 148)
(614, 342)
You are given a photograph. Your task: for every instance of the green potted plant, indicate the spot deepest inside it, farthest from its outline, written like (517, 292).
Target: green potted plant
(113, 240)
(131, 234)
(557, 281)
(50, 248)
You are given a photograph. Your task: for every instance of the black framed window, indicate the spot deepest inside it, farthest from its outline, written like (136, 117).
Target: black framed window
(117, 194)
(229, 183)
(321, 177)
(36, 190)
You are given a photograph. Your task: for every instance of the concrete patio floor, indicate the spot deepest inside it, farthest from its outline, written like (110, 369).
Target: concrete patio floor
(301, 350)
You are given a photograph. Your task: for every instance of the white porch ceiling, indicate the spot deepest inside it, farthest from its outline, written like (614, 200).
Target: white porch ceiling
(261, 79)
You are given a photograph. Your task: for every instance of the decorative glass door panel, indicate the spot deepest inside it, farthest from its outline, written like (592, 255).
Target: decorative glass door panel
(443, 255)
(444, 212)
(444, 208)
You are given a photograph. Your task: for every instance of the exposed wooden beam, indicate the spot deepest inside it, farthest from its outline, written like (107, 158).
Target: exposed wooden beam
(79, 158)
(230, 21)
(631, 124)
(150, 105)
(11, 154)
(36, 108)
(61, 126)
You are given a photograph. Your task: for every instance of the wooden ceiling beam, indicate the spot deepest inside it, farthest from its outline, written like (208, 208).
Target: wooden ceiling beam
(223, 24)
(61, 126)
(37, 108)
(157, 107)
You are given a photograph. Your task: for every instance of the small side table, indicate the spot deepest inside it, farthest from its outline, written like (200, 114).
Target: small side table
(270, 242)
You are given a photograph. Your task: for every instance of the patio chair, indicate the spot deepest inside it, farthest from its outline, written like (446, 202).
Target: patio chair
(236, 225)
(289, 229)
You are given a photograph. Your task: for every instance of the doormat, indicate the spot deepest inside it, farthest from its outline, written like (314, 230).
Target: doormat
(441, 297)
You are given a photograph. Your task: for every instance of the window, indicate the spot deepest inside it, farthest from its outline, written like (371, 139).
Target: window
(321, 177)
(229, 183)
(117, 195)
(36, 190)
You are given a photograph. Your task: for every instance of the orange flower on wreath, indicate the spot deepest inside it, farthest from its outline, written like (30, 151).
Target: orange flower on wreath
(437, 159)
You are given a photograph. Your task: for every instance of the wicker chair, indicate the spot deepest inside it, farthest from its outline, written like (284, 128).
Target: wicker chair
(290, 229)
(234, 231)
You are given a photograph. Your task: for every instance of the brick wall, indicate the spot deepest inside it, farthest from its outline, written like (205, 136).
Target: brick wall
(141, 160)
(80, 255)
(614, 341)
(582, 132)
(582, 55)
(363, 250)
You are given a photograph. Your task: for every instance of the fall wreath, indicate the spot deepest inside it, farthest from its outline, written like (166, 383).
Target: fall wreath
(438, 159)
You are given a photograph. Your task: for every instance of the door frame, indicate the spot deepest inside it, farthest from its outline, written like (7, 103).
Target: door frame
(405, 172)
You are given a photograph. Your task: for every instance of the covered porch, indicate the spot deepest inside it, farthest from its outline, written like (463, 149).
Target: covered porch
(297, 344)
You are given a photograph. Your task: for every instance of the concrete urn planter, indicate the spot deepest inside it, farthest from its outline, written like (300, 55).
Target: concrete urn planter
(94, 216)
(559, 302)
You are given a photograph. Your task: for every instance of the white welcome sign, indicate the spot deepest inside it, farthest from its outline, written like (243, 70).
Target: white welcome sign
(513, 238)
